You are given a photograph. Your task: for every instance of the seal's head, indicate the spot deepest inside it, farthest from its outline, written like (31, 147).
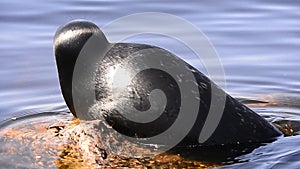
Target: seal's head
(68, 41)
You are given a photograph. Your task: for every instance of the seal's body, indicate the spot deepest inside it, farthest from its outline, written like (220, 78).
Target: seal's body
(120, 83)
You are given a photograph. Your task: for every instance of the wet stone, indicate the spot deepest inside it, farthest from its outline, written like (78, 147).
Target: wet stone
(75, 144)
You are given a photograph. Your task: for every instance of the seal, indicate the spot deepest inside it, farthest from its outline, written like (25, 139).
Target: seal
(116, 89)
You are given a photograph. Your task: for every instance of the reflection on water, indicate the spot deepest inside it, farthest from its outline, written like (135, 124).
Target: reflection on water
(257, 43)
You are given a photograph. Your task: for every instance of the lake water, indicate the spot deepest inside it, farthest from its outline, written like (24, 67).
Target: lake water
(257, 41)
